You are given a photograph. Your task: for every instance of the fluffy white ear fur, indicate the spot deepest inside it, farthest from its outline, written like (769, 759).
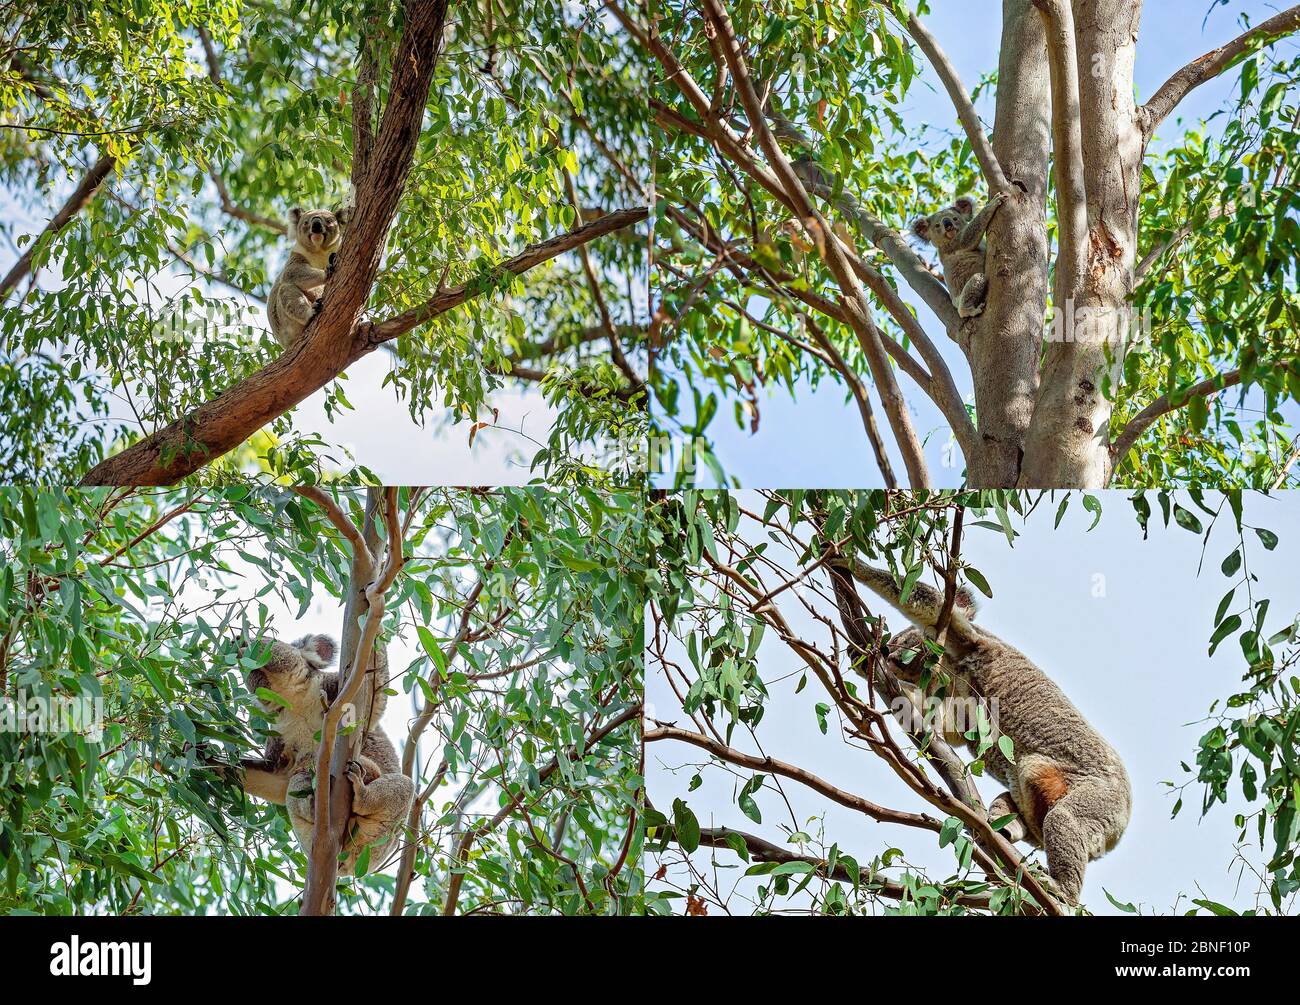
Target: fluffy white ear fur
(318, 650)
(921, 228)
(295, 215)
(965, 205)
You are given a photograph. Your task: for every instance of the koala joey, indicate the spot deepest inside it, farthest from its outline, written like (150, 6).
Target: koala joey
(958, 236)
(381, 794)
(1067, 789)
(295, 295)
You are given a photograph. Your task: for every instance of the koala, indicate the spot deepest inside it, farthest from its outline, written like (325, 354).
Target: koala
(959, 239)
(1068, 790)
(381, 794)
(295, 295)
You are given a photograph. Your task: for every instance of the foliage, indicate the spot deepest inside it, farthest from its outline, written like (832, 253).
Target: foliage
(219, 119)
(137, 598)
(738, 326)
(741, 606)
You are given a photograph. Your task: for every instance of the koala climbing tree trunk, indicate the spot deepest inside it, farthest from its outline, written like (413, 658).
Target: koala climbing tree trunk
(368, 584)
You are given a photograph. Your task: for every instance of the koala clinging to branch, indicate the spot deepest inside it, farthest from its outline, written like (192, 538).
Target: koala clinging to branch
(959, 239)
(296, 294)
(1067, 787)
(381, 794)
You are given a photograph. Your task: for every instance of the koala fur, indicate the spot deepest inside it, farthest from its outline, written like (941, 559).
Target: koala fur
(1068, 788)
(381, 794)
(295, 295)
(959, 239)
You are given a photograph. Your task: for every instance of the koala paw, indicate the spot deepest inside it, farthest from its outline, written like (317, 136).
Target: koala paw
(356, 774)
(315, 307)
(329, 269)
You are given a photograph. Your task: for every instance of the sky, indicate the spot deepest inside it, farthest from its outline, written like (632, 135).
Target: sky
(792, 445)
(1121, 624)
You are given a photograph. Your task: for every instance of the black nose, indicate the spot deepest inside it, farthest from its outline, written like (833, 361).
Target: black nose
(317, 227)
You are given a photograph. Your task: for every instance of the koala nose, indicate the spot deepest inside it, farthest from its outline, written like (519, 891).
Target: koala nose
(317, 227)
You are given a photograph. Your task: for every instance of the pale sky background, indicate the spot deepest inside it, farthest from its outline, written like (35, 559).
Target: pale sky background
(816, 437)
(1133, 660)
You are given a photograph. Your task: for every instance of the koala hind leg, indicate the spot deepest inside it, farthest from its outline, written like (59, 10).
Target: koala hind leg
(298, 307)
(1074, 833)
(1015, 829)
(970, 301)
(388, 796)
(300, 801)
(379, 810)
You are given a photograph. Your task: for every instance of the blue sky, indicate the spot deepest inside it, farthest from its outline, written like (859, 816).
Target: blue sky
(816, 437)
(1121, 624)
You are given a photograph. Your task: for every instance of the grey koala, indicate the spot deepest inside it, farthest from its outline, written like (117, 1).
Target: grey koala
(1068, 788)
(295, 295)
(959, 238)
(381, 794)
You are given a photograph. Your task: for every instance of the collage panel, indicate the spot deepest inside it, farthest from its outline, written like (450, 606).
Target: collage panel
(1029, 244)
(657, 458)
(377, 241)
(179, 665)
(882, 704)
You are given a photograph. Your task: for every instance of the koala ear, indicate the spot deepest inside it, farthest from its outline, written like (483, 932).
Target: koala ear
(344, 215)
(966, 601)
(318, 650)
(965, 205)
(295, 215)
(921, 228)
(326, 648)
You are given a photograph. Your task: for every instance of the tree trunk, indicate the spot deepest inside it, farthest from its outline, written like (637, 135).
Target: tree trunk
(1069, 437)
(1005, 349)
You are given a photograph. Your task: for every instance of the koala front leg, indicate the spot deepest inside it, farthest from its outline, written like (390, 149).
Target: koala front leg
(261, 779)
(973, 232)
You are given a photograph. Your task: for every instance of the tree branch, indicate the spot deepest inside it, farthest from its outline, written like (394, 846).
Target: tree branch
(1209, 66)
(828, 246)
(1163, 405)
(970, 121)
(80, 197)
(460, 856)
(762, 850)
(771, 765)
(218, 426)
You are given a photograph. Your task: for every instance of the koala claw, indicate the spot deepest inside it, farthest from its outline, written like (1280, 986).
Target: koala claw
(356, 774)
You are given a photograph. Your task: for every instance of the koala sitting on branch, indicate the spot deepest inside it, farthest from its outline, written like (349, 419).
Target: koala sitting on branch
(381, 795)
(1067, 788)
(296, 294)
(958, 235)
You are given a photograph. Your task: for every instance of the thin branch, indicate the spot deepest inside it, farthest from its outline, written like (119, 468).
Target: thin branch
(1164, 405)
(762, 850)
(771, 765)
(334, 513)
(970, 121)
(239, 213)
(460, 857)
(78, 200)
(830, 248)
(1209, 66)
